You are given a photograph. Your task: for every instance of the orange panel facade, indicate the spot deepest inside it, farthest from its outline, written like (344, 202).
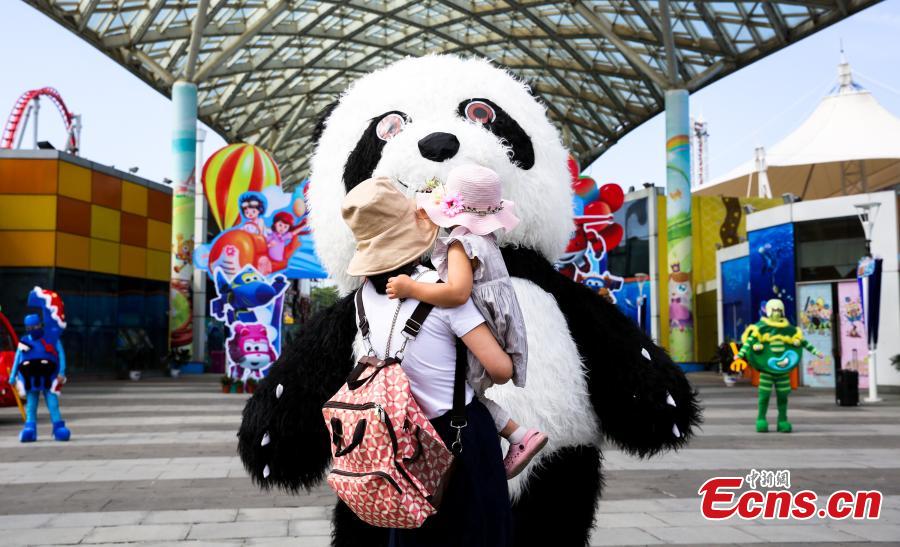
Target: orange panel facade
(73, 216)
(159, 206)
(133, 230)
(65, 213)
(27, 176)
(106, 190)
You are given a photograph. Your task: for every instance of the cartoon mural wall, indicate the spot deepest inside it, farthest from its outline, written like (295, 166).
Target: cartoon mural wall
(816, 321)
(736, 313)
(772, 272)
(854, 344)
(264, 242)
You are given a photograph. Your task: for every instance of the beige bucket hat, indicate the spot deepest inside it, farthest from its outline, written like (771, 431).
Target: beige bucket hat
(387, 229)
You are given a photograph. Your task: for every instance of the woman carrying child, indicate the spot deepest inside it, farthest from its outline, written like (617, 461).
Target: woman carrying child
(469, 263)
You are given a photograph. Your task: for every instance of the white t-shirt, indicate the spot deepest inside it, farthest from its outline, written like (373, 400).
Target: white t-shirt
(430, 360)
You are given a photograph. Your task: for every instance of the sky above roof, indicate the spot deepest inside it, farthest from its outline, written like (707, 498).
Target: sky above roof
(127, 124)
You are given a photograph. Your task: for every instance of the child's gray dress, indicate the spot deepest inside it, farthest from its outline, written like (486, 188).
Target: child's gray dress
(493, 294)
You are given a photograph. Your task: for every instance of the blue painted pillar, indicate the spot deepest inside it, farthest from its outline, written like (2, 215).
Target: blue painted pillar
(678, 225)
(184, 155)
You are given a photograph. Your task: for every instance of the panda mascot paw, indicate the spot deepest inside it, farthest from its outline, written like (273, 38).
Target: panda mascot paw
(592, 374)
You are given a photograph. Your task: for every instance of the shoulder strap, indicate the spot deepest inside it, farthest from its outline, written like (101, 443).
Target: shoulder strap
(414, 323)
(361, 320)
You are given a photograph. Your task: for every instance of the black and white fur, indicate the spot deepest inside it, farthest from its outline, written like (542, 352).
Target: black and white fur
(592, 374)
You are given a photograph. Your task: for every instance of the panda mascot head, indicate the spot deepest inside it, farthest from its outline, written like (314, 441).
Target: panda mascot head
(421, 117)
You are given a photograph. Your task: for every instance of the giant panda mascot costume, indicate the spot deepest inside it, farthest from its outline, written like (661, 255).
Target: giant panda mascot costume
(592, 374)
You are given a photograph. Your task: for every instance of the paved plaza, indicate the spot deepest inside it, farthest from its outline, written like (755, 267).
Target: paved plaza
(153, 462)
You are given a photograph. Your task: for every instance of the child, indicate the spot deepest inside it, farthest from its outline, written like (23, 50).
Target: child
(282, 233)
(470, 264)
(253, 207)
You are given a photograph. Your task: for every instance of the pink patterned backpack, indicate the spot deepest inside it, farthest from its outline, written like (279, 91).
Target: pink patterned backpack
(390, 465)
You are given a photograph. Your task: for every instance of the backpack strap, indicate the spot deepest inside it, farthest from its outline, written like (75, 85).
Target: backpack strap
(361, 320)
(458, 411)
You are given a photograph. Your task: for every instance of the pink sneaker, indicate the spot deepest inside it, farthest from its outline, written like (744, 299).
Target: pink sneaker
(519, 454)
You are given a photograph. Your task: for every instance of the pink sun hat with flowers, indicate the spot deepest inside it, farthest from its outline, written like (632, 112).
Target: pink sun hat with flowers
(472, 198)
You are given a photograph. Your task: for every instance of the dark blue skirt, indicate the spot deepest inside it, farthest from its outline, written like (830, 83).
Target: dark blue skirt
(475, 511)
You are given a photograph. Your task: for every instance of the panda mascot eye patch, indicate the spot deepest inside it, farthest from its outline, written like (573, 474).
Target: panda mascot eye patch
(365, 157)
(486, 113)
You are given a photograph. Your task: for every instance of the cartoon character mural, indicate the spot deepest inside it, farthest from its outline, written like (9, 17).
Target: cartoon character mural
(852, 331)
(40, 363)
(238, 297)
(271, 235)
(680, 298)
(816, 320)
(773, 347)
(249, 349)
(250, 305)
(265, 241)
(184, 250)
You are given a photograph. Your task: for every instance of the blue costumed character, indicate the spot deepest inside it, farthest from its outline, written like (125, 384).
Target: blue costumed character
(40, 363)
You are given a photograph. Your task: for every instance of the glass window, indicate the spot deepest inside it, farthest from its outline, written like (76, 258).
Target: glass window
(829, 249)
(16, 283)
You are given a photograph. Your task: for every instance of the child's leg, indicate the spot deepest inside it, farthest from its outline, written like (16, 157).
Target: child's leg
(498, 413)
(510, 428)
(506, 426)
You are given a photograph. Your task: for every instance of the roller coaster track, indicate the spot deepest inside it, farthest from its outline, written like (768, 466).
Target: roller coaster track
(19, 116)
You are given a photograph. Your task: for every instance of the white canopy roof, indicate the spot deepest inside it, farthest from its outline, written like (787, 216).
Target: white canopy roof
(850, 144)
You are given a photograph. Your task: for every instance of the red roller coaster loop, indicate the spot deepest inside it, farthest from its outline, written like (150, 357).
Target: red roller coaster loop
(18, 115)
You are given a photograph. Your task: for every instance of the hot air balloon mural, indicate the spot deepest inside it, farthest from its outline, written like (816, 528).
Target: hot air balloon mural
(231, 171)
(265, 241)
(262, 225)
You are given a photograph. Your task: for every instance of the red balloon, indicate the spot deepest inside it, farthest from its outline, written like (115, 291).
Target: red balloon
(612, 235)
(597, 208)
(585, 188)
(613, 195)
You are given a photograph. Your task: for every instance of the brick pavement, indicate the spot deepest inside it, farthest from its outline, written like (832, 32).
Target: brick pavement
(153, 463)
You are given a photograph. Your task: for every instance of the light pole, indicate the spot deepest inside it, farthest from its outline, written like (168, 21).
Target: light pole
(867, 213)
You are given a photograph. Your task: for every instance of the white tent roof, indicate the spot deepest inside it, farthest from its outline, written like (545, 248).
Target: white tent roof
(848, 139)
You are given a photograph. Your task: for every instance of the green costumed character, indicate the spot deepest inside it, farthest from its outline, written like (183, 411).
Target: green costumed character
(773, 347)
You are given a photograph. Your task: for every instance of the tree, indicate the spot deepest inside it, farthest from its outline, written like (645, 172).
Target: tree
(322, 297)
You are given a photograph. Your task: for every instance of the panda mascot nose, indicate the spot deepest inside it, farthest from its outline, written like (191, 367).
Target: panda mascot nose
(439, 146)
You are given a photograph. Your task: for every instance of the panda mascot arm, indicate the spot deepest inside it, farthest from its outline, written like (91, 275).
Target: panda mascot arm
(283, 441)
(643, 400)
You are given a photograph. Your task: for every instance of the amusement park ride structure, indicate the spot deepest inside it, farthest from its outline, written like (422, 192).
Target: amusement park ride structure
(30, 103)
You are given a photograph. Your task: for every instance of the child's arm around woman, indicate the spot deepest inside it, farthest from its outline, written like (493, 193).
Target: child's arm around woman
(455, 292)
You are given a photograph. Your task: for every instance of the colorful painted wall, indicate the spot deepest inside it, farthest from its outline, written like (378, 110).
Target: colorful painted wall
(716, 222)
(719, 222)
(59, 213)
(100, 238)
